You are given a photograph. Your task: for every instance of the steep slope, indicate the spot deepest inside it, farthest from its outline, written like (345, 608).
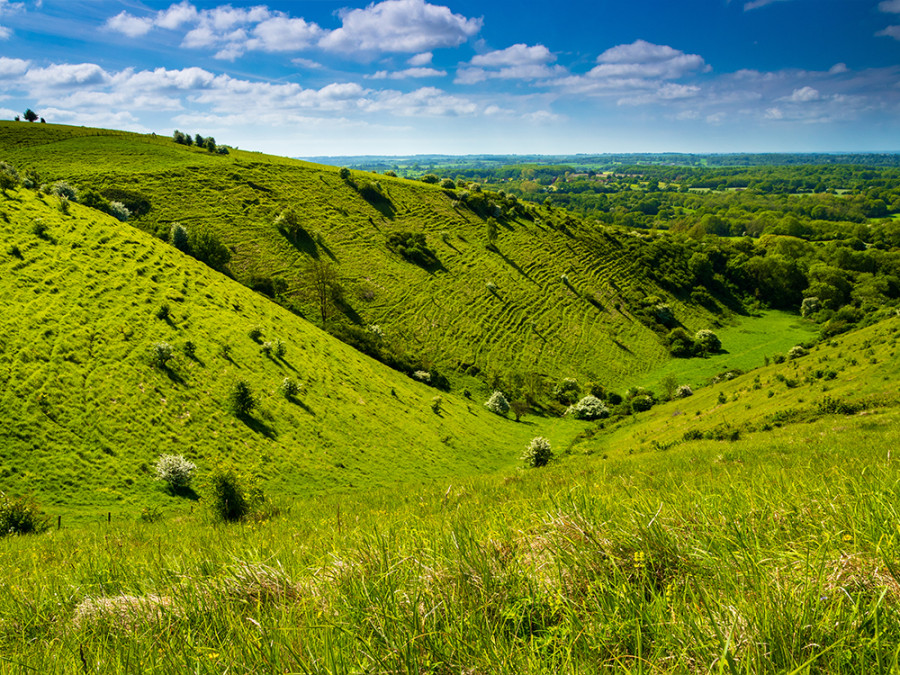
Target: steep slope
(557, 297)
(84, 412)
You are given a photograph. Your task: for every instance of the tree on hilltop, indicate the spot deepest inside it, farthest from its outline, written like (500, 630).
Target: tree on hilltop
(30, 115)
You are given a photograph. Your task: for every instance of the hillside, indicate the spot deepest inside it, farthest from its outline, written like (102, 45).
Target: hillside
(774, 552)
(557, 297)
(85, 412)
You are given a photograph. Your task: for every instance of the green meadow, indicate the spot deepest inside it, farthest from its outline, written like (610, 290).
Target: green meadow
(748, 525)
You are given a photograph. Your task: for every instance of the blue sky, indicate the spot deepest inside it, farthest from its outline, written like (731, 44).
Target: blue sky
(341, 77)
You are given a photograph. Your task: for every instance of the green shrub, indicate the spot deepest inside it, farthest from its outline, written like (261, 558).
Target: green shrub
(538, 453)
(9, 177)
(436, 404)
(796, 352)
(684, 391)
(230, 495)
(267, 348)
(280, 349)
(241, 400)
(413, 247)
(178, 237)
(497, 403)
(175, 471)
(160, 354)
(641, 403)
(20, 516)
(707, 342)
(163, 313)
(289, 388)
(62, 189)
(189, 349)
(344, 173)
(255, 333)
(448, 184)
(679, 343)
(39, 229)
(589, 408)
(567, 391)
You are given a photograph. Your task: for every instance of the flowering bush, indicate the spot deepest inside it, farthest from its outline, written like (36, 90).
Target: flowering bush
(566, 391)
(538, 452)
(497, 403)
(684, 391)
(589, 408)
(796, 352)
(174, 470)
(707, 342)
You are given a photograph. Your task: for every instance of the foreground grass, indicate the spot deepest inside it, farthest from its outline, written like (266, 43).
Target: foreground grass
(778, 554)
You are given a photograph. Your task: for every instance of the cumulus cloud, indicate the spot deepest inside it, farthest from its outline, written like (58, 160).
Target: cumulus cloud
(517, 55)
(890, 6)
(128, 25)
(422, 59)
(67, 75)
(890, 31)
(838, 68)
(400, 26)
(518, 62)
(282, 34)
(407, 74)
(12, 67)
(645, 60)
(7, 7)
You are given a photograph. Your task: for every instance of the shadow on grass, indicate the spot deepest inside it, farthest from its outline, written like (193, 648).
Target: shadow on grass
(297, 402)
(258, 426)
(185, 492)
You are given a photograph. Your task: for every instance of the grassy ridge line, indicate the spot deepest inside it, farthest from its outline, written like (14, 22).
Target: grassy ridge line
(442, 317)
(779, 556)
(84, 413)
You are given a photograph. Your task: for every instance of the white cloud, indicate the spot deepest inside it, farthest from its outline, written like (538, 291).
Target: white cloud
(408, 73)
(645, 60)
(838, 68)
(803, 95)
(131, 26)
(12, 67)
(890, 6)
(306, 63)
(65, 75)
(7, 7)
(399, 26)
(890, 31)
(281, 34)
(422, 59)
(542, 117)
(427, 101)
(516, 55)
(176, 16)
(774, 114)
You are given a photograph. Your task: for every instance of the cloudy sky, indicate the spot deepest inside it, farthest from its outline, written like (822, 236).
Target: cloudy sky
(343, 77)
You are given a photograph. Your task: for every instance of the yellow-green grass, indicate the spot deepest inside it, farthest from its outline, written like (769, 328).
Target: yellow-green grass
(859, 370)
(534, 322)
(85, 413)
(771, 554)
(746, 342)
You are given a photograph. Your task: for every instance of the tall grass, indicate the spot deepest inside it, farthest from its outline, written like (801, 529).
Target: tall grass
(778, 558)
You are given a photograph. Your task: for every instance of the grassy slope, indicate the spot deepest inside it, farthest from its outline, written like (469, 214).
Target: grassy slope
(84, 414)
(535, 323)
(866, 372)
(775, 553)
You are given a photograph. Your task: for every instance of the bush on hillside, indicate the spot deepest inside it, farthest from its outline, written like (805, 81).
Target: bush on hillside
(497, 403)
(679, 343)
(707, 342)
(684, 391)
(810, 306)
(241, 400)
(175, 471)
(9, 177)
(589, 408)
(344, 173)
(231, 495)
(567, 391)
(20, 515)
(160, 354)
(119, 211)
(289, 388)
(412, 247)
(62, 189)
(178, 237)
(538, 453)
(796, 352)
(641, 403)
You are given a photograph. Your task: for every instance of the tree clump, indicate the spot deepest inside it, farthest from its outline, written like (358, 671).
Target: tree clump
(538, 453)
(589, 408)
(497, 403)
(175, 471)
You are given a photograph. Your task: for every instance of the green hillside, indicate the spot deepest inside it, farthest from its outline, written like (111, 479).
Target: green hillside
(84, 412)
(775, 552)
(557, 297)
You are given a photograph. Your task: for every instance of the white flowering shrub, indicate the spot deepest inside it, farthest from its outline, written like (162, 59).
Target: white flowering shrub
(589, 408)
(375, 330)
(707, 341)
(538, 452)
(796, 352)
(119, 211)
(174, 470)
(422, 376)
(62, 189)
(497, 403)
(684, 391)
